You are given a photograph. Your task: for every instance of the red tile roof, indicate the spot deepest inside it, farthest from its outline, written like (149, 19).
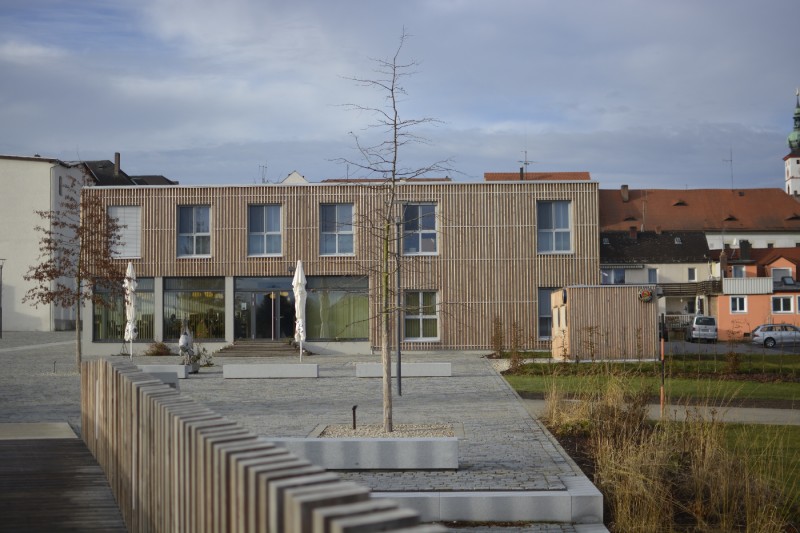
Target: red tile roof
(699, 210)
(536, 176)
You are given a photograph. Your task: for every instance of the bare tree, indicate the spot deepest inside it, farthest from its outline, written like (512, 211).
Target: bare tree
(381, 159)
(75, 254)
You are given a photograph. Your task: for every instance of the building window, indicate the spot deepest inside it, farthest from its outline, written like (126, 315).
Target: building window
(419, 229)
(336, 229)
(779, 273)
(421, 317)
(200, 302)
(652, 275)
(194, 230)
(738, 304)
(692, 273)
(554, 233)
(337, 308)
(737, 271)
(613, 276)
(781, 304)
(129, 219)
(109, 319)
(545, 313)
(264, 230)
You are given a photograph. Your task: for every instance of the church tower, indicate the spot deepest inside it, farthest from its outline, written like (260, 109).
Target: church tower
(792, 161)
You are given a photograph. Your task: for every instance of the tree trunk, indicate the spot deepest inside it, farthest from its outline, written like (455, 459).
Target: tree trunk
(78, 332)
(386, 354)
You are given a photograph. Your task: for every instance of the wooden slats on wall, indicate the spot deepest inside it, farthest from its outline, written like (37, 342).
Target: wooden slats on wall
(486, 266)
(605, 322)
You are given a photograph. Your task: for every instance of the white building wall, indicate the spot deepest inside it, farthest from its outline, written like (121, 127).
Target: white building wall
(757, 240)
(28, 186)
(792, 176)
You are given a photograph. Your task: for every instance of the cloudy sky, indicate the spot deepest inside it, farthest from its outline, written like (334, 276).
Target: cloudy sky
(646, 93)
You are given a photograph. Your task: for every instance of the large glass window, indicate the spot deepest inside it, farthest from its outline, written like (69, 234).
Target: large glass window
(419, 229)
(198, 301)
(545, 313)
(129, 219)
(554, 232)
(264, 230)
(194, 230)
(737, 271)
(336, 229)
(109, 319)
(337, 308)
(421, 317)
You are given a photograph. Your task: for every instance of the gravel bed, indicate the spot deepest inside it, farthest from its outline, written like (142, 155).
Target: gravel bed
(400, 431)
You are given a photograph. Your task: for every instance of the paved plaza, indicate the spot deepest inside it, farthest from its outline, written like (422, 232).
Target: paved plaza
(502, 447)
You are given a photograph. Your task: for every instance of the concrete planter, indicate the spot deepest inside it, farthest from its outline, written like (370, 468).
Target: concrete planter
(440, 453)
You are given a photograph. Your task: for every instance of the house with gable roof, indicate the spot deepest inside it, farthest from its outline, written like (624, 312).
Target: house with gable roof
(759, 287)
(33, 184)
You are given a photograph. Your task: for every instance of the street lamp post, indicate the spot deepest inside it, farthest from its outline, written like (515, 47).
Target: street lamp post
(2, 261)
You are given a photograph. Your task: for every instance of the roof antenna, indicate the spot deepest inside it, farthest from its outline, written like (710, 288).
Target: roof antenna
(263, 169)
(525, 162)
(731, 162)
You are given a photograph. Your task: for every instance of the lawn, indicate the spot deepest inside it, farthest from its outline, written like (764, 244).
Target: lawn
(753, 377)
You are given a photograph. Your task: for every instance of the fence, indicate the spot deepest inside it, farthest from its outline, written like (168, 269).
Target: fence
(174, 466)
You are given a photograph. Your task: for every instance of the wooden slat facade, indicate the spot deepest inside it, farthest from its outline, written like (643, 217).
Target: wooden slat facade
(487, 264)
(605, 322)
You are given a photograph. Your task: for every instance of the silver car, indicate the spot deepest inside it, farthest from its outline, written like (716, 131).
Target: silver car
(701, 327)
(771, 334)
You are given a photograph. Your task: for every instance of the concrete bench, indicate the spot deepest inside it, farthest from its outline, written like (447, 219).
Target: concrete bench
(434, 453)
(270, 371)
(408, 370)
(182, 371)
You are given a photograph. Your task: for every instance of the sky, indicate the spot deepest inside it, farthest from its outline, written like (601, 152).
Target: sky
(652, 94)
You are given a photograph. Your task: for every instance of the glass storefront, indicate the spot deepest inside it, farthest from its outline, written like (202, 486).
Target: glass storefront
(109, 318)
(263, 308)
(337, 308)
(200, 302)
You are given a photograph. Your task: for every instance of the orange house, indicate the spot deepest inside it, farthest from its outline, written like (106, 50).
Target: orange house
(760, 289)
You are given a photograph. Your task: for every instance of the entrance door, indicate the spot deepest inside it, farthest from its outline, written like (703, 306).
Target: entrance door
(264, 315)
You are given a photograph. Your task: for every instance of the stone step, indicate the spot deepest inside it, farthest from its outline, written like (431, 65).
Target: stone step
(256, 348)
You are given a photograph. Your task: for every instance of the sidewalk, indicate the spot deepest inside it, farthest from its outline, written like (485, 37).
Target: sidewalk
(505, 452)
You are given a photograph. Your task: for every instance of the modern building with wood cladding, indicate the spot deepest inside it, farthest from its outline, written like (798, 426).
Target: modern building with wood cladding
(222, 259)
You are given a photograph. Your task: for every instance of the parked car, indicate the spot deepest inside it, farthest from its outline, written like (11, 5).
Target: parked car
(771, 334)
(701, 327)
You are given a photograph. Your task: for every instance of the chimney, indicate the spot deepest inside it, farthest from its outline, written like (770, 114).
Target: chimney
(116, 163)
(632, 232)
(744, 248)
(624, 192)
(521, 174)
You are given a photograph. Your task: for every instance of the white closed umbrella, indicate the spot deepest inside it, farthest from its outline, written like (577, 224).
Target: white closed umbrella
(131, 331)
(299, 288)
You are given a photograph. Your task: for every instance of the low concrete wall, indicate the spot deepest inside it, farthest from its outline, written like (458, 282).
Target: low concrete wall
(409, 370)
(270, 371)
(376, 454)
(182, 371)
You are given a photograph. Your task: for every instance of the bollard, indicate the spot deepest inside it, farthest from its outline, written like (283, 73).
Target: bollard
(354, 416)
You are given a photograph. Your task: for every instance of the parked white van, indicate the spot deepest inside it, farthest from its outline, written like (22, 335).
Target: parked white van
(702, 327)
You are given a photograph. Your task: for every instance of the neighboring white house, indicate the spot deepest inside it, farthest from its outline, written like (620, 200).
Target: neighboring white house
(30, 184)
(33, 184)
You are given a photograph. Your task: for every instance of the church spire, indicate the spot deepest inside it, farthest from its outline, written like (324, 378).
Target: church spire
(794, 137)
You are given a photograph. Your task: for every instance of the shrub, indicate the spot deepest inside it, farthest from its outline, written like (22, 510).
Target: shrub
(498, 338)
(158, 348)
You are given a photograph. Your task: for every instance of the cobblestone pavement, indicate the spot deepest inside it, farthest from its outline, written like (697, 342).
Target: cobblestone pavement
(503, 447)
